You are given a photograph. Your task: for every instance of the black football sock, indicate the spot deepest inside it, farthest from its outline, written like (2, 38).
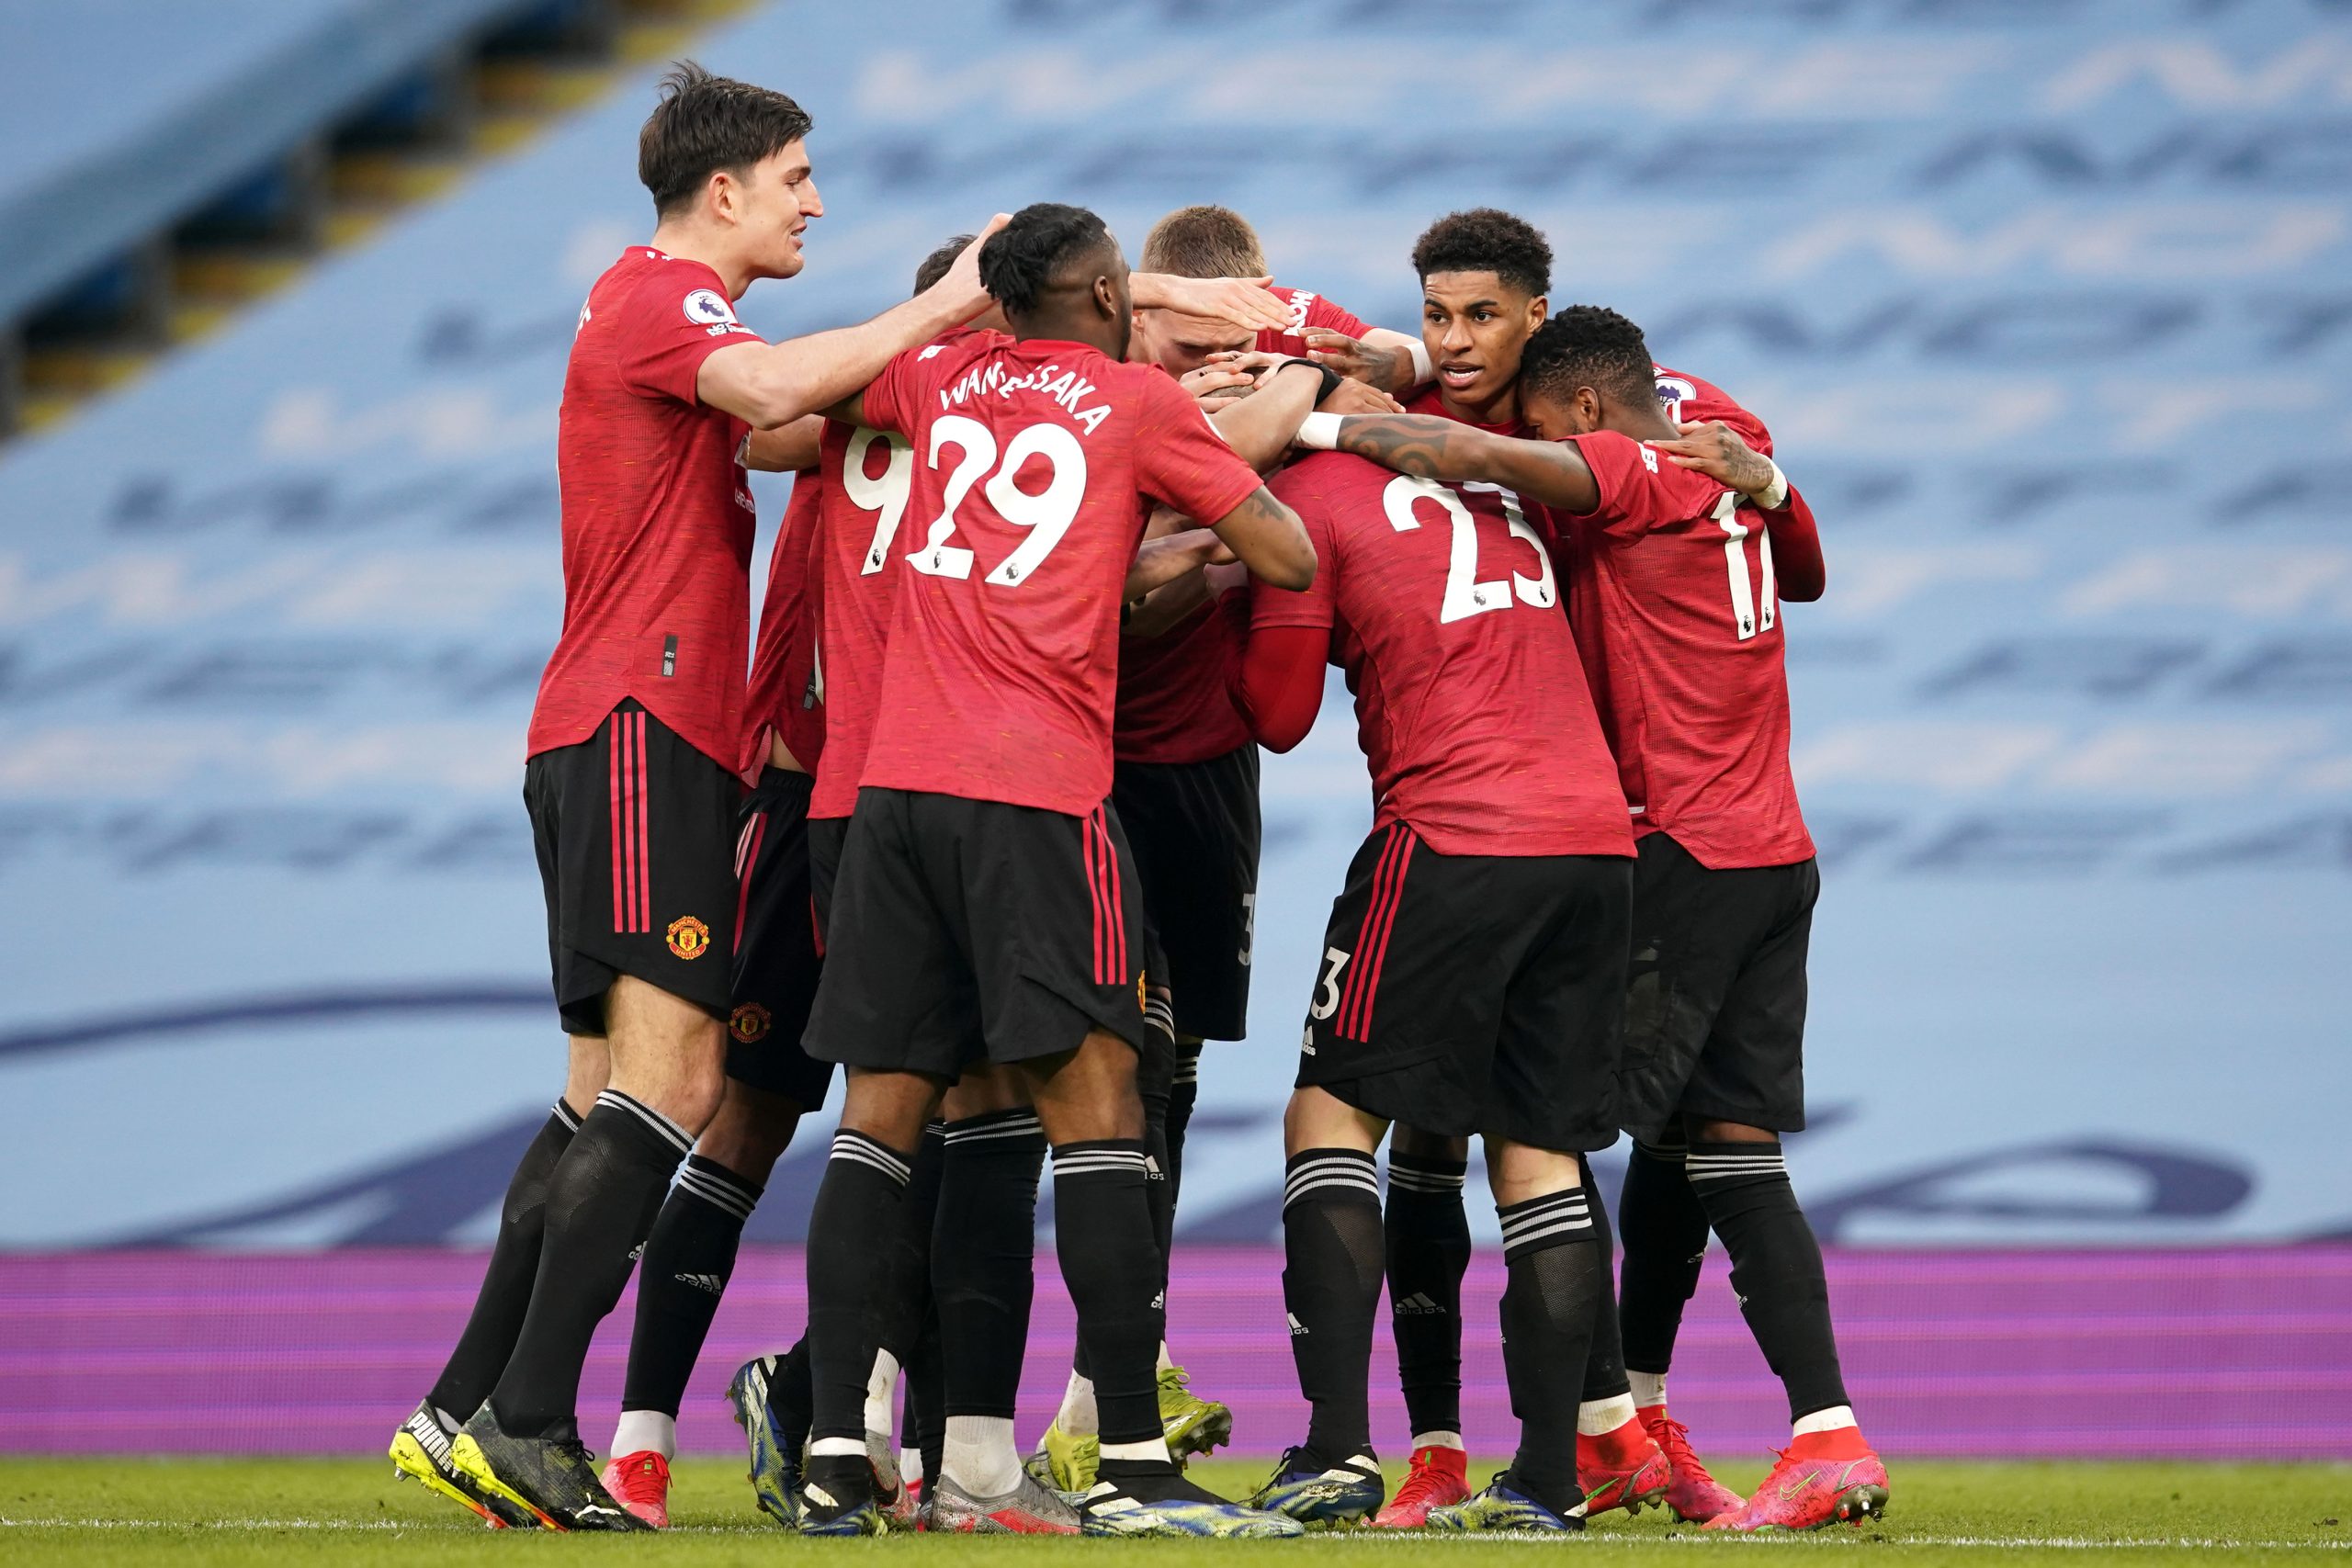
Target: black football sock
(1155, 1081)
(1102, 1233)
(1428, 1236)
(904, 1296)
(789, 1396)
(1665, 1229)
(688, 1260)
(861, 1198)
(602, 1199)
(489, 1337)
(1775, 1265)
(1604, 1367)
(1557, 1279)
(1183, 1095)
(983, 1257)
(1331, 1250)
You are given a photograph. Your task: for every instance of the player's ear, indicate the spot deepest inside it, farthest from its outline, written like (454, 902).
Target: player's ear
(1106, 299)
(1539, 310)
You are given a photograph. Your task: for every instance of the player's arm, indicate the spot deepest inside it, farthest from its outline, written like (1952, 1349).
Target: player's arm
(1431, 447)
(1166, 568)
(1277, 684)
(769, 384)
(1260, 428)
(1266, 536)
(1798, 570)
(1243, 301)
(786, 449)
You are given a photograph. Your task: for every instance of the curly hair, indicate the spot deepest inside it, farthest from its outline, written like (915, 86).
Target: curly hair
(1485, 239)
(1021, 261)
(1588, 345)
(706, 123)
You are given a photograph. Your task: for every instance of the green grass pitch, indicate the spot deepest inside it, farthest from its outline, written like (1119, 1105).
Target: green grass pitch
(351, 1511)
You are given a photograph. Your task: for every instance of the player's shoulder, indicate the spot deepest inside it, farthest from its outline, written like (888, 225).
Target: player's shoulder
(1331, 481)
(645, 279)
(1689, 398)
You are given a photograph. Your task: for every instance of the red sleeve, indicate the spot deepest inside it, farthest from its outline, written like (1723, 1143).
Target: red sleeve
(1318, 605)
(1796, 550)
(1751, 429)
(892, 395)
(1180, 457)
(1324, 315)
(669, 324)
(1626, 472)
(1277, 684)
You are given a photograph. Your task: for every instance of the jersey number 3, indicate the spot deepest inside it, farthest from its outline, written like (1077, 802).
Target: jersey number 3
(1465, 594)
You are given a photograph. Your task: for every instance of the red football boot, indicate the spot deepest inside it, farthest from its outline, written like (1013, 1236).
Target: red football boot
(1621, 1469)
(1693, 1495)
(1821, 1478)
(1439, 1479)
(641, 1483)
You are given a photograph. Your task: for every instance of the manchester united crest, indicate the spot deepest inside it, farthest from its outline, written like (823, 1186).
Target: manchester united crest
(749, 1023)
(689, 938)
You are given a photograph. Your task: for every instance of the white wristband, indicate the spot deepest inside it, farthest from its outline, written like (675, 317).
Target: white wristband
(1320, 431)
(1422, 370)
(1776, 495)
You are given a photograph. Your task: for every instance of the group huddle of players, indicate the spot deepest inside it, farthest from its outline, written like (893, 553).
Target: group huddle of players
(1066, 546)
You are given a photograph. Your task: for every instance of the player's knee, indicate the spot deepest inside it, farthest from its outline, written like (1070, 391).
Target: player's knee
(1516, 1172)
(1316, 1118)
(889, 1106)
(750, 1131)
(1710, 1132)
(1088, 1095)
(1428, 1146)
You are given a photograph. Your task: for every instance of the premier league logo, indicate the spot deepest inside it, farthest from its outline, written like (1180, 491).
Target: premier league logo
(709, 308)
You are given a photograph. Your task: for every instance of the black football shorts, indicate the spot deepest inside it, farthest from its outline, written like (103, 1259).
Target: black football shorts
(777, 959)
(1463, 994)
(826, 837)
(633, 831)
(1195, 830)
(946, 911)
(1714, 1002)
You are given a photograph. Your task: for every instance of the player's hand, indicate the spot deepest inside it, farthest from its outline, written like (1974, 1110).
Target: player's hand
(1715, 449)
(1214, 386)
(964, 277)
(1352, 357)
(1243, 301)
(1354, 397)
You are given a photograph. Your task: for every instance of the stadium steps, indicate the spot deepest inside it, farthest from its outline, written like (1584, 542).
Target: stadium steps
(192, 281)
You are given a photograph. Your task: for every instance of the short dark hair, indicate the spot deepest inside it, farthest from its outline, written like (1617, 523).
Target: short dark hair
(706, 123)
(1588, 345)
(1023, 259)
(934, 266)
(1487, 238)
(1204, 242)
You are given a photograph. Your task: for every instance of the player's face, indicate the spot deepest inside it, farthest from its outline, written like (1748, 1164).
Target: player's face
(775, 204)
(1551, 418)
(1182, 343)
(1475, 326)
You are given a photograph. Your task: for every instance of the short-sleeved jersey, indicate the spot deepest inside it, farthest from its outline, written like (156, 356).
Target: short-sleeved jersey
(788, 693)
(656, 516)
(1443, 609)
(1034, 463)
(1672, 599)
(1686, 399)
(1307, 309)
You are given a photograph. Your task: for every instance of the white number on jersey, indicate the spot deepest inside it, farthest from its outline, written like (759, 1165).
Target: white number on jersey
(1465, 594)
(1047, 514)
(1325, 1005)
(1750, 612)
(884, 495)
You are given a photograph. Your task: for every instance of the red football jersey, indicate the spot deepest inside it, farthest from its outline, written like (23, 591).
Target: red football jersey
(1686, 399)
(1306, 310)
(1034, 463)
(1471, 707)
(1672, 599)
(656, 516)
(788, 693)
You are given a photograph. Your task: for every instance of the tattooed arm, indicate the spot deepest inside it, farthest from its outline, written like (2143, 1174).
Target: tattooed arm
(1426, 447)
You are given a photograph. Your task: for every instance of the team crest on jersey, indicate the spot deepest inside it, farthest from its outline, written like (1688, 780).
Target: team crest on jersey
(749, 1023)
(689, 938)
